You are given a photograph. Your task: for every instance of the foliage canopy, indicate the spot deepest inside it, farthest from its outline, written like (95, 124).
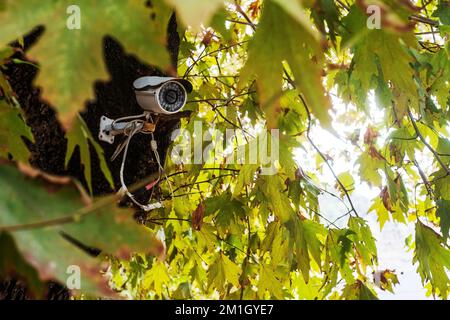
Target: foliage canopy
(227, 231)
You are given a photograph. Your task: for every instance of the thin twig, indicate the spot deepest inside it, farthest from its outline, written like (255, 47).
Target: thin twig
(242, 12)
(424, 141)
(424, 179)
(425, 20)
(325, 159)
(203, 181)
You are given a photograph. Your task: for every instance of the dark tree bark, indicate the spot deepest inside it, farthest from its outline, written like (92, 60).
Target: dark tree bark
(113, 99)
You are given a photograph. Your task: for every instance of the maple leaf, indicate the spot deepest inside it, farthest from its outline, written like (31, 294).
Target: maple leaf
(433, 258)
(12, 129)
(55, 202)
(443, 212)
(269, 282)
(380, 53)
(381, 211)
(157, 276)
(385, 197)
(246, 176)
(192, 14)
(358, 291)
(280, 37)
(306, 235)
(386, 279)
(223, 270)
(271, 190)
(12, 264)
(70, 59)
(369, 163)
(81, 136)
(443, 12)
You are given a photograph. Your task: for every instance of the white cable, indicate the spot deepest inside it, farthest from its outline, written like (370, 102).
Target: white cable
(122, 167)
(154, 147)
(135, 129)
(135, 124)
(128, 118)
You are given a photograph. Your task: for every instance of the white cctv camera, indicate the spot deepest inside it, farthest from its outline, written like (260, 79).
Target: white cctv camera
(161, 95)
(157, 95)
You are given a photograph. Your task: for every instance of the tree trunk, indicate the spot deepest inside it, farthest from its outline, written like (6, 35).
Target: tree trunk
(114, 98)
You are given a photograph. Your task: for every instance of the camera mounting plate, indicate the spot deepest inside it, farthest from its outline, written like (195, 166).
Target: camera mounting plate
(105, 133)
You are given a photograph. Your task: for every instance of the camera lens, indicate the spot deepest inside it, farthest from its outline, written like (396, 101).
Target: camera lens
(172, 96)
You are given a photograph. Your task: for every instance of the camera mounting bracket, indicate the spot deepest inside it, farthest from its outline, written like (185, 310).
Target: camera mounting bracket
(155, 95)
(107, 132)
(110, 128)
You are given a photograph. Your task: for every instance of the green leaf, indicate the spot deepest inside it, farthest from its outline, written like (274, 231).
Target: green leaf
(443, 149)
(57, 224)
(443, 12)
(358, 291)
(397, 194)
(287, 146)
(403, 142)
(71, 59)
(295, 116)
(380, 210)
(195, 13)
(227, 211)
(439, 76)
(347, 180)
(12, 129)
(327, 18)
(218, 23)
(156, 277)
(306, 236)
(380, 53)
(433, 257)
(443, 212)
(337, 259)
(369, 163)
(80, 136)
(271, 190)
(441, 182)
(223, 270)
(280, 37)
(14, 265)
(246, 176)
(269, 282)
(363, 240)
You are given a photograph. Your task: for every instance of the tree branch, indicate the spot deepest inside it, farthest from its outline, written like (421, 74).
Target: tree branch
(308, 130)
(424, 141)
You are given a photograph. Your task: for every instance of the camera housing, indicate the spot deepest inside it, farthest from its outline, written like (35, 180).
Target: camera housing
(161, 95)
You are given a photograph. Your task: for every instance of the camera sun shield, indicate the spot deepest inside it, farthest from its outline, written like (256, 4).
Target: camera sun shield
(161, 95)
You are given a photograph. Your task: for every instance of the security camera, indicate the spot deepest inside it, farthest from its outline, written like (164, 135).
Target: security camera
(155, 95)
(161, 95)
(158, 95)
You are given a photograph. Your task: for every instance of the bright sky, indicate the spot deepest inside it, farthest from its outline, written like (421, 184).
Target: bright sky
(392, 252)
